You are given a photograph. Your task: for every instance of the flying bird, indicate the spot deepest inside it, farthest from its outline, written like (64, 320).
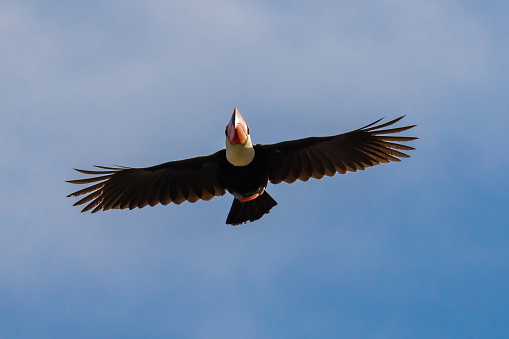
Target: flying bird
(242, 169)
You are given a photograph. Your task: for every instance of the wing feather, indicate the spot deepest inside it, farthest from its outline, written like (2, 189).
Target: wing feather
(315, 157)
(318, 169)
(322, 159)
(144, 192)
(175, 181)
(164, 193)
(155, 193)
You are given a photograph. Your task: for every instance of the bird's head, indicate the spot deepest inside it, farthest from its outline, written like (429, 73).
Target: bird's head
(237, 131)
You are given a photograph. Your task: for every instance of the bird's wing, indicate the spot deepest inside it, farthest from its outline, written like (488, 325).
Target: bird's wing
(318, 156)
(174, 181)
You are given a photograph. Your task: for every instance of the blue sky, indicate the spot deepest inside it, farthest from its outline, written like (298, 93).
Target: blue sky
(416, 249)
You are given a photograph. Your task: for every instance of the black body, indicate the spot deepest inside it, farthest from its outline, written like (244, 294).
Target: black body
(245, 180)
(208, 176)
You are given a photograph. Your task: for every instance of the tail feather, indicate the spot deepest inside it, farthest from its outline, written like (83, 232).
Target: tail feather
(242, 212)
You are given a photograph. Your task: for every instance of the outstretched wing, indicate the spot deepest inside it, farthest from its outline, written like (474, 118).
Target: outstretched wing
(174, 181)
(318, 156)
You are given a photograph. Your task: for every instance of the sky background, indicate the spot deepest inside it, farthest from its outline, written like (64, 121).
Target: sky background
(416, 249)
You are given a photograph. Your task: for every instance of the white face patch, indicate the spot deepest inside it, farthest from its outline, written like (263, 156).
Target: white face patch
(240, 154)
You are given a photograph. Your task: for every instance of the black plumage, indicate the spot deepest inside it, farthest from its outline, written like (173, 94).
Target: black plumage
(208, 176)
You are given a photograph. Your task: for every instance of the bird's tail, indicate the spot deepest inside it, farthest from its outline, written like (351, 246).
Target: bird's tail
(242, 212)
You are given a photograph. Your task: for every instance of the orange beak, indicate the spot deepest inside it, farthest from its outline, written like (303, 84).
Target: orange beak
(237, 130)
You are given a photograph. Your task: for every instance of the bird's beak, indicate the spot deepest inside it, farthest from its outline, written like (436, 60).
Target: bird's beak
(237, 130)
